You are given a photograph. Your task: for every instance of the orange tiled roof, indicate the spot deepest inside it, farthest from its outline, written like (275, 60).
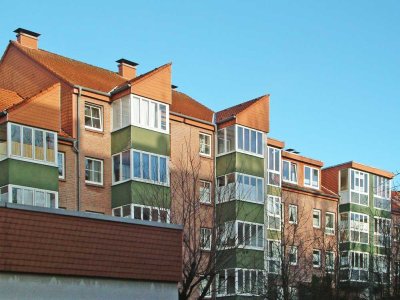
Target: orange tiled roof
(185, 105)
(234, 110)
(8, 99)
(322, 192)
(73, 71)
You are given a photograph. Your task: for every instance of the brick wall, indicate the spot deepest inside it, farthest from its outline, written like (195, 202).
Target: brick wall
(67, 188)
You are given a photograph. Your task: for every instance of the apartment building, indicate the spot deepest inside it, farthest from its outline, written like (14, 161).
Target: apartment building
(81, 138)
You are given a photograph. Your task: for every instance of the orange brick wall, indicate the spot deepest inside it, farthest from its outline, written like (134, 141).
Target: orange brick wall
(67, 188)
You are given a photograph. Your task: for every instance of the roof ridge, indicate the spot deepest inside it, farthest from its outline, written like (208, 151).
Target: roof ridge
(194, 100)
(145, 75)
(243, 103)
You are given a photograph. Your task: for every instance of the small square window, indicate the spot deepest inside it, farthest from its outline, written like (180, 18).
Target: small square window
(205, 191)
(316, 258)
(61, 165)
(93, 171)
(93, 117)
(205, 144)
(316, 218)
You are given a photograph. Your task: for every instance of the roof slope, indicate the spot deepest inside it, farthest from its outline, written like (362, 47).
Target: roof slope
(234, 110)
(73, 71)
(185, 105)
(8, 99)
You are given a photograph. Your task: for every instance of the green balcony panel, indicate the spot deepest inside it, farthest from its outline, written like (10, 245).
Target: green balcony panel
(240, 210)
(140, 139)
(240, 162)
(140, 193)
(240, 258)
(28, 174)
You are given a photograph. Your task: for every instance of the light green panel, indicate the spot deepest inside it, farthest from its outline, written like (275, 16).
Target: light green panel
(240, 210)
(140, 193)
(240, 162)
(273, 234)
(274, 191)
(140, 139)
(28, 174)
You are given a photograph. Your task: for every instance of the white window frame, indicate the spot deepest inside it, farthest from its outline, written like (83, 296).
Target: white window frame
(62, 176)
(131, 171)
(272, 169)
(319, 255)
(240, 190)
(382, 187)
(274, 214)
(256, 234)
(311, 184)
(328, 230)
(329, 268)
(319, 218)
(359, 269)
(378, 234)
(360, 227)
(141, 206)
(33, 159)
(203, 186)
(258, 134)
(34, 190)
(95, 106)
(293, 206)
(102, 171)
(293, 250)
(275, 260)
(204, 146)
(290, 165)
(132, 98)
(205, 233)
(253, 283)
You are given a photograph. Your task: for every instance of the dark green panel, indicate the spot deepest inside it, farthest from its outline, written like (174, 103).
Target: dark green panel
(240, 258)
(240, 210)
(4, 176)
(140, 193)
(121, 140)
(226, 164)
(140, 139)
(150, 141)
(249, 164)
(29, 174)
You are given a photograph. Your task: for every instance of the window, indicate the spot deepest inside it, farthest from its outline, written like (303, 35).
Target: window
(316, 258)
(141, 112)
(289, 171)
(226, 140)
(93, 171)
(93, 117)
(4, 193)
(292, 214)
(359, 263)
(205, 144)
(274, 256)
(205, 238)
(382, 193)
(359, 228)
(293, 255)
(329, 261)
(202, 286)
(382, 232)
(249, 140)
(359, 187)
(311, 177)
(316, 218)
(32, 144)
(142, 212)
(30, 196)
(274, 213)
(205, 191)
(241, 187)
(250, 282)
(329, 223)
(250, 235)
(138, 165)
(274, 166)
(61, 165)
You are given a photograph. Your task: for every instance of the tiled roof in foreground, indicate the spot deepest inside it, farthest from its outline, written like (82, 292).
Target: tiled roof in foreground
(185, 105)
(234, 110)
(8, 99)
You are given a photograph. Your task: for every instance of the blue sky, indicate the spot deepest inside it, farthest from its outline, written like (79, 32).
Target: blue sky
(332, 68)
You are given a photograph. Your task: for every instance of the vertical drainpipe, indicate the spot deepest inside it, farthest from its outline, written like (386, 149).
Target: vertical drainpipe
(77, 150)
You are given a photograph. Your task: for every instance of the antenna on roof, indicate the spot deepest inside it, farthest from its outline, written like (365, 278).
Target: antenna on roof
(291, 150)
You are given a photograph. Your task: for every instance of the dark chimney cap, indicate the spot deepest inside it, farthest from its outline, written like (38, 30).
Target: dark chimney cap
(127, 62)
(28, 32)
(174, 86)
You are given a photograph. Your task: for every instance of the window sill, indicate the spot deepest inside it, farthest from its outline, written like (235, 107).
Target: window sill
(62, 179)
(94, 184)
(205, 156)
(206, 204)
(94, 130)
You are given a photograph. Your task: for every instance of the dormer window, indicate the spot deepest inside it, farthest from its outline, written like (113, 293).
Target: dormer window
(311, 177)
(289, 172)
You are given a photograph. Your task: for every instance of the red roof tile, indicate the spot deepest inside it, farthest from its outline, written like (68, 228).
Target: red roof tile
(9, 99)
(73, 71)
(323, 192)
(234, 110)
(185, 105)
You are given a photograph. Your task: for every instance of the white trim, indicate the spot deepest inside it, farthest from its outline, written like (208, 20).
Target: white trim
(320, 258)
(319, 218)
(295, 206)
(102, 171)
(290, 163)
(295, 253)
(34, 190)
(311, 178)
(93, 105)
(332, 230)
(210, 139)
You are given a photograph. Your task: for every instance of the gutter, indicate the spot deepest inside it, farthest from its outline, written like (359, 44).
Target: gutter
(82, 88)
(120, 89)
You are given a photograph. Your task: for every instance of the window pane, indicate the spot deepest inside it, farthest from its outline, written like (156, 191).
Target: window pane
(27, 143)
(259, 143)
(126, 111)
(116, 109)
(260, 195)
(28, 196)
(307, 176)
(230, 138)
(152, 112)
(221, 141)
(240, 138)
(40, 199)
(15, 140)
(163, 169)
(17, 194)
(126, 165)
(60, 164)
(154, 168)
(137, 212)
(146, 213)
(136, 110)
(246, 139)
(136, 164)
(144, 112)
(39, 149)
(146, 166)
(50, 153)
(126, 211)
(253, 141)
(163, 113)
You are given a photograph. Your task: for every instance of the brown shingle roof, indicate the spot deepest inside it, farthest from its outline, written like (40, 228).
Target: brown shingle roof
(185, 105)
(8, 99)
(73, 71)
(234, 110)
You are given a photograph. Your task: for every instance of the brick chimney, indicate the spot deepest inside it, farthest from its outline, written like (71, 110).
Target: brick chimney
(27, 38)
(127, 68)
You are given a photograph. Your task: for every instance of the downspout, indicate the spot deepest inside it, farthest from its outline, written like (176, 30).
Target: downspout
(77, 151)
